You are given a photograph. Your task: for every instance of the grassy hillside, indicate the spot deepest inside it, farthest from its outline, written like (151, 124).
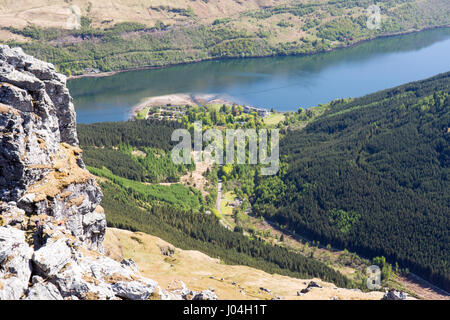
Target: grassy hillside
(130, 209)
(54, 13)
(121, 35)
(178, 213)
(372, 175)
(368, 175)
(199, 271)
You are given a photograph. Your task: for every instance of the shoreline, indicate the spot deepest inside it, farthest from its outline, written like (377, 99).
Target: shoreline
(112, 73)
(188, 99)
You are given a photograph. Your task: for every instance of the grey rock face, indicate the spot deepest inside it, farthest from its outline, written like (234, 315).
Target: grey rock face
(50, 258)
(51, 224)
(42, 290)
(15, 266)
(40, 79)
(39, 159)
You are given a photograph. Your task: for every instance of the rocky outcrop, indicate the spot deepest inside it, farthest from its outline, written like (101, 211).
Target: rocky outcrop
(177, 290)
(51, 224)
(42, 172)
(15, 261)
(311, 285)
(394, 295)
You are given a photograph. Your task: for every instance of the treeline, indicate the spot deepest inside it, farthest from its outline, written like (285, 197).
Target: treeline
(174, 195)
(190, 230)
(119, 163)
(372, 175)
(138, 150)
(139, 133)
(150, 165)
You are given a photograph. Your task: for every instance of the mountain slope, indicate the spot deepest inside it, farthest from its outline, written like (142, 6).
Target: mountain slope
(116, 35)
(51, 225)
(198, 271)
(373, 175)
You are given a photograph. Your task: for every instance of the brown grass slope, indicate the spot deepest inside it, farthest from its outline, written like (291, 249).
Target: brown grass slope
(54, 13)
(199, 271)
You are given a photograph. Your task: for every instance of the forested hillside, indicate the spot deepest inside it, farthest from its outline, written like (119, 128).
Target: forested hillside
(176, 213)
(197, 231)
(150, 133)
(142, 34)
(372, 175)
(138, 150)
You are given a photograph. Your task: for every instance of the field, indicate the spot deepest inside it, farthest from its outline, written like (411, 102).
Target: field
(274, 119)
(175, 195)
(226, 211)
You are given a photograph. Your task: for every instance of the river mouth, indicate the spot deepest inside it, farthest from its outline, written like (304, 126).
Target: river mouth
(282, 83)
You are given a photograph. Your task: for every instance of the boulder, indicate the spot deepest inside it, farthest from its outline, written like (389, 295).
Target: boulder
(264, 290)
(394, 295)
(314, 284)
(134, 290)
(43, 290)
(205, 295)
(52, 257)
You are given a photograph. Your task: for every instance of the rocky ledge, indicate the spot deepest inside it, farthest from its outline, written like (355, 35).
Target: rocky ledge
(51, 224)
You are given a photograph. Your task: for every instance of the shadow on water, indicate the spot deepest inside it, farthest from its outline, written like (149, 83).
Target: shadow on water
(281, 82)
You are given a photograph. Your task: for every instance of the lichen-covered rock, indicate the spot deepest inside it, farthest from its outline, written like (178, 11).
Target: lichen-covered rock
(40, 164)
(134, 290)
(15, 266)
(52, 257)
(43, 290)
(51, 224)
